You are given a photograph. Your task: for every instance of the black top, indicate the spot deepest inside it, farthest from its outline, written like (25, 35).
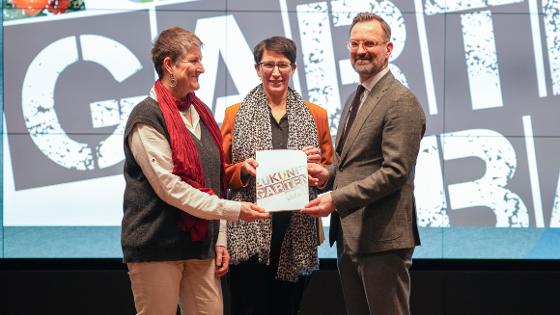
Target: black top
(279, 132)
(280, 220)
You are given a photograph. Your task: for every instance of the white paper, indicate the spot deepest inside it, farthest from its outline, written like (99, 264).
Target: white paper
(282, 180)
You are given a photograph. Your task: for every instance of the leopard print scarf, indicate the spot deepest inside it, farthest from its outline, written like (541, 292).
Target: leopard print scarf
(252, 132)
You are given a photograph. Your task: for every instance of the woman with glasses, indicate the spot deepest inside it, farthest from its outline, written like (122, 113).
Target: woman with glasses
(272, 259)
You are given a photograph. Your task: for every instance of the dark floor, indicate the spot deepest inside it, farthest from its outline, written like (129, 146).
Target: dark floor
(439, 287)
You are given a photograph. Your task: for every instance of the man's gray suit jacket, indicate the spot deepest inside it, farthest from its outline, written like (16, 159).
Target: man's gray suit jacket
(373, 177)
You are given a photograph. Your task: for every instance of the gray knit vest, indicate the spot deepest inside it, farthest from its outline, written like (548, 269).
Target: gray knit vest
(150, 227)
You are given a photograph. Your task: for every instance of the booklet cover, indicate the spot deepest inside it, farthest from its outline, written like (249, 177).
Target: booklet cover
(282, 180)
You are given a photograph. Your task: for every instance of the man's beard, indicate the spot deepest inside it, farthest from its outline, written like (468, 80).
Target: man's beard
(366, 69)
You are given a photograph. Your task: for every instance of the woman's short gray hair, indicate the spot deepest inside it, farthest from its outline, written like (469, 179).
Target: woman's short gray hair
(173, 43)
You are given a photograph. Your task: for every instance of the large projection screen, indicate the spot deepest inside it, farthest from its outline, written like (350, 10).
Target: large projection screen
(487, 74)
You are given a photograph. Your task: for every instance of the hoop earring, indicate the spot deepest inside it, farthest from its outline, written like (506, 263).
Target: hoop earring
(173, 81)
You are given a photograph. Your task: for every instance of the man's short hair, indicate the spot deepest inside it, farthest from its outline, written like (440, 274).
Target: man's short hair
(366, 17)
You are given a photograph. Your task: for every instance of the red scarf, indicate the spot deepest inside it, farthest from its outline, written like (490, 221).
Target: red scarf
(186, 161)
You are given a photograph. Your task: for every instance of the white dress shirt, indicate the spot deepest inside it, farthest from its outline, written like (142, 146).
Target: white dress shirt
(370, 83)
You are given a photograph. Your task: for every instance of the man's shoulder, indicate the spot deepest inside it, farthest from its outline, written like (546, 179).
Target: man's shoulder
(402, 99)
(398, 89)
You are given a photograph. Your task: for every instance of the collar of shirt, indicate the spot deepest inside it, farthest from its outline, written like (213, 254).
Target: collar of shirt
(194, 128)
(370, 83)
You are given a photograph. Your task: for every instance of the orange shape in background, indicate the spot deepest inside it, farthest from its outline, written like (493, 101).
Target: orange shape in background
(30, 7)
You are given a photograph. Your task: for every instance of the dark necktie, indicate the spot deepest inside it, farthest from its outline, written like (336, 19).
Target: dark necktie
(351, 116)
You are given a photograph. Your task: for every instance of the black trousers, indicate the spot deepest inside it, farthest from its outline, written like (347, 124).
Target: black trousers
(253, 287)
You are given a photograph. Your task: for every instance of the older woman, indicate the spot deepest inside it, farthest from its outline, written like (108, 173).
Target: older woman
(173, 242)
(272, 258)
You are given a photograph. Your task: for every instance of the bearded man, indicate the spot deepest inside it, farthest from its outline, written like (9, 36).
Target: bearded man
(373, 213)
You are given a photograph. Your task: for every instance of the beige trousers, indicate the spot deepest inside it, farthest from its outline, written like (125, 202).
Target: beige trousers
(158, 287)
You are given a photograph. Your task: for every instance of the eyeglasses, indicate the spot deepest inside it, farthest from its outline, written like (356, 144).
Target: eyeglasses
(353, 45)
(282, 66)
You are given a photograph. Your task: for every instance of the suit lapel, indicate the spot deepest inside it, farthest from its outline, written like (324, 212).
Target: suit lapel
(373, 98)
